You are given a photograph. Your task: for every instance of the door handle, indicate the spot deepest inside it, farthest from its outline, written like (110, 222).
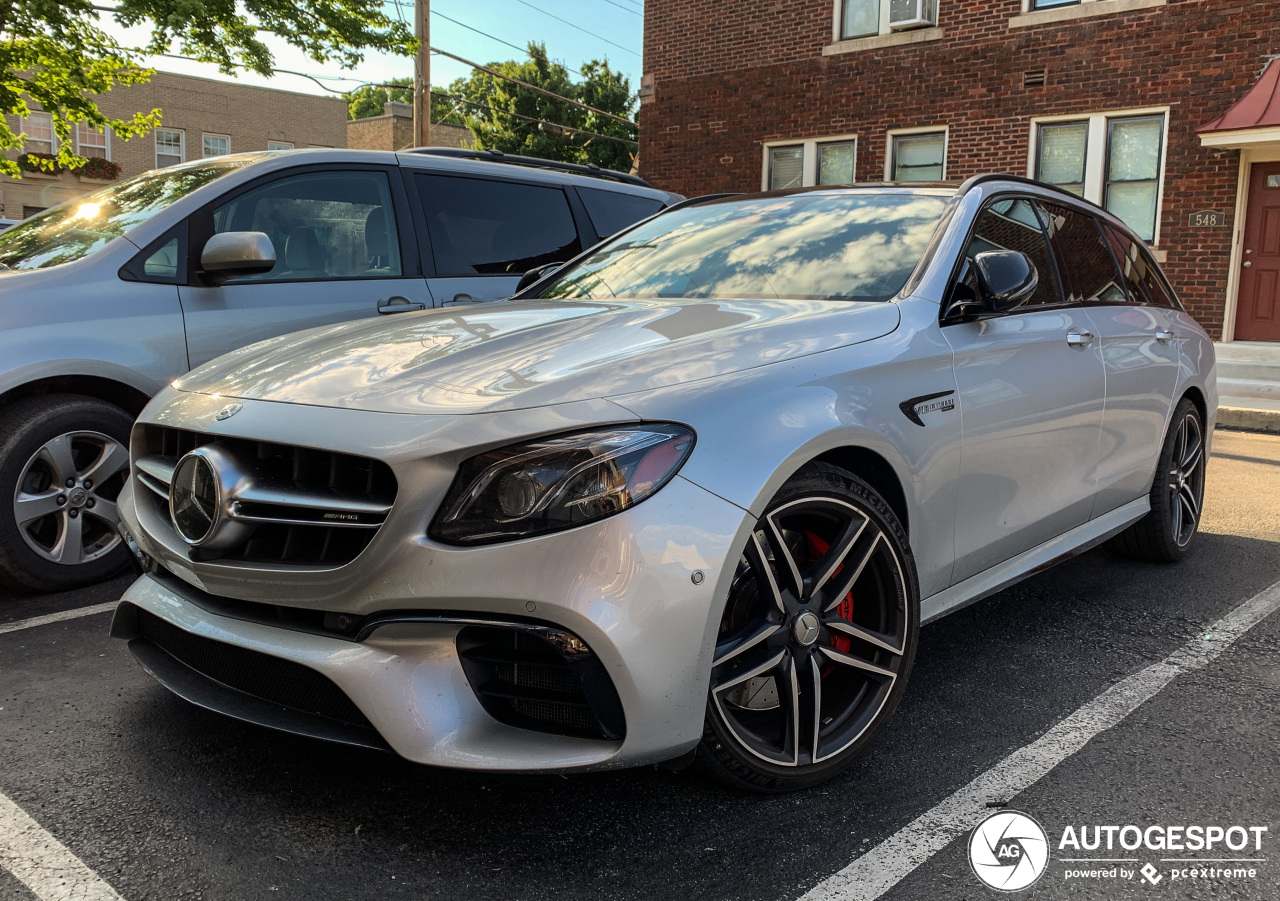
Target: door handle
(1246, 264)
(1164, 336)
(399, 304)
(1079, 339)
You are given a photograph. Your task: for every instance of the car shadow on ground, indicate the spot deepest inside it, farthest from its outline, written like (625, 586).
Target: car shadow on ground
(987, 680)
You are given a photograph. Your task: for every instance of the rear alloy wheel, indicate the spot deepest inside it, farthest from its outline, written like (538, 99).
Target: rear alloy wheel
(1177, 494)
(62, 467)
(817, 637)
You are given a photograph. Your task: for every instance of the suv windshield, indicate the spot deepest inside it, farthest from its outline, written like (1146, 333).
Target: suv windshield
(76, 229)
(846, 245)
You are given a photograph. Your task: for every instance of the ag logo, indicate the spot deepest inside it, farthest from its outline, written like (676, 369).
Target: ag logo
(1009, 851)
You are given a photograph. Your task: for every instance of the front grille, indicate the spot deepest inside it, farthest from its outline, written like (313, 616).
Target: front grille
(306, 507)
(272, 679)
(542, 679)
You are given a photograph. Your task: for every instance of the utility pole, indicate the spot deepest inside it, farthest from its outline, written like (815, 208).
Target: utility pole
(422, 74)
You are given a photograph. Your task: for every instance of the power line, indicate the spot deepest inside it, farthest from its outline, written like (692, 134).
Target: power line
(624, 8)
(568, 128)
(478, 31)
(578, 27)
(534, 87)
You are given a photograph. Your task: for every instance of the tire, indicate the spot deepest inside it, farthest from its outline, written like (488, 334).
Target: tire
(806, 676)
(54, 535)
(1177, 494)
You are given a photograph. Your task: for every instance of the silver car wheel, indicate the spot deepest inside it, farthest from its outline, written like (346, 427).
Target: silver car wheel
(64, 505)
(814, 635)
(1186, 480)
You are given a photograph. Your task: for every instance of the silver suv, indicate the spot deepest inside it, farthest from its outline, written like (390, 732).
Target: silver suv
(109, 297)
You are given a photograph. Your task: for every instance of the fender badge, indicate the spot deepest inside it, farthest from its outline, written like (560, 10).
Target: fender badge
(914, 408)
(228, 411)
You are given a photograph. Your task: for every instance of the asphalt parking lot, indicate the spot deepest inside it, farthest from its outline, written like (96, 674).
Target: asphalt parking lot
(162, 800)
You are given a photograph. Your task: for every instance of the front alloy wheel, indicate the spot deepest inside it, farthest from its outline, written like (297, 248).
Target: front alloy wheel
(817, 637)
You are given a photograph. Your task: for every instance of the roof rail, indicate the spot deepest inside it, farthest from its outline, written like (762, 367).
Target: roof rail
(976, 180)
(497, 156)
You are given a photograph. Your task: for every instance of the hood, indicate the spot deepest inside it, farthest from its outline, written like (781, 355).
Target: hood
(517, 354)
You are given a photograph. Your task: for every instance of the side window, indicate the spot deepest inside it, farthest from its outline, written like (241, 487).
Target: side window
(1138, 270)
(1014, 224)
(482, 227)
(162, 265)
(612, 211)
(1086, 262)
(324, 225)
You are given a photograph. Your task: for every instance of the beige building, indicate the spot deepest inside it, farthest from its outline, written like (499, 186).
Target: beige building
(393, 130)
(202, 118)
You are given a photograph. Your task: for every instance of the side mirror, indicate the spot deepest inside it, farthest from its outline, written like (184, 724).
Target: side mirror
(1006, 279)
(231, 254)
(534, 275)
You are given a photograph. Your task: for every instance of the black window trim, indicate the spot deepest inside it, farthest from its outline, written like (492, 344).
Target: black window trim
(135, 269)
(200, 223)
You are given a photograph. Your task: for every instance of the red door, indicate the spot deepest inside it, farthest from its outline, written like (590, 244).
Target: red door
(1258, 307)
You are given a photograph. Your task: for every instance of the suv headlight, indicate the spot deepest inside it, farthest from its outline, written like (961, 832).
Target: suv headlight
(558, 483)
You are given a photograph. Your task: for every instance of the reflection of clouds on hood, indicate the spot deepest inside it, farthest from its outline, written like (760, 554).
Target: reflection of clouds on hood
(848, 244)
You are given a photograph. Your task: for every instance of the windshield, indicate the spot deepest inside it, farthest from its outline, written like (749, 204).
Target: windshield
(846, 245)
(76, 229)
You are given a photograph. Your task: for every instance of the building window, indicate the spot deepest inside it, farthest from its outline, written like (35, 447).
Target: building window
(1050, 4)
(216, 145)
(279, 145)
(918, 156)
(170, 147)
(92, 141)
(38, 128)
(1115, 160)
(816, 161)
(29, 211)
(864, 18)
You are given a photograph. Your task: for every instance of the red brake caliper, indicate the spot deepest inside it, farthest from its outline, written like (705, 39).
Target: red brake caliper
(818, 547)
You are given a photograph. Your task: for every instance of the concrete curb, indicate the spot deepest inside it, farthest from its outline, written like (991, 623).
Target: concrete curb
(1249, 420)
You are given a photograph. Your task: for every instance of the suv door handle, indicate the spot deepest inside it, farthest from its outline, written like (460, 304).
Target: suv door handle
(1078, 338)
(1164, 336)
(399, 304)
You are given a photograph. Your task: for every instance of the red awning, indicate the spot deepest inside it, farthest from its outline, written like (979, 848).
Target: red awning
(1258, 108)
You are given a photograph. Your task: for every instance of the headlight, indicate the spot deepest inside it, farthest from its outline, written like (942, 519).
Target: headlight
(558, 483)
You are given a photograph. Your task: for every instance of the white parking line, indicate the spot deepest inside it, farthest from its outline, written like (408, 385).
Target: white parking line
(57, 617)
(888, 863)
(42, 863)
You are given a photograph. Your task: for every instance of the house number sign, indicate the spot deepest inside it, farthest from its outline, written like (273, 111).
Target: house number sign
(1206, 219)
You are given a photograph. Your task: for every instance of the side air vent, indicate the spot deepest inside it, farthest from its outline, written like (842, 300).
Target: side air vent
(541, 679)
(1035, 79)
(284, 504)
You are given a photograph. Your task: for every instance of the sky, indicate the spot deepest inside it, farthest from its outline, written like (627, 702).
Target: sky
(612, 22)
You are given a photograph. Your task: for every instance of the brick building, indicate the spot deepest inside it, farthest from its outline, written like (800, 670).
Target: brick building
(393, 130)
(1108, 98)
(202, 117)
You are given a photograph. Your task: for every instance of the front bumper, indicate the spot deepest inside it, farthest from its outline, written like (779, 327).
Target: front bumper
(625, 586)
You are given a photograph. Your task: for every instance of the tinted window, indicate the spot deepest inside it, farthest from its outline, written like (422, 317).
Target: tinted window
(611, 211)
(1014, 224)
(1086, 261)
(855, 245)
(328, 225)
(1138, 270)
(481, 227)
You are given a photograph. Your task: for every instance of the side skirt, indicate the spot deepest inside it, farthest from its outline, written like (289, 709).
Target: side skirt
(1080, 539)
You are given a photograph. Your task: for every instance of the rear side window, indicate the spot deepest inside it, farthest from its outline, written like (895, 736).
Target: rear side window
(1086, 262)
(611, 211)
(1014, 224)
(482, 227)
(323, 225)
(1139, 271)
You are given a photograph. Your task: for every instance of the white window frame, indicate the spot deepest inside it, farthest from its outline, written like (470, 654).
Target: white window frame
(53, 135)
(182, 145)
(208, 134)
(106, 141)
(809, 163)
(837, 22)
(891, 134)
(280, 145)
(1095, 154)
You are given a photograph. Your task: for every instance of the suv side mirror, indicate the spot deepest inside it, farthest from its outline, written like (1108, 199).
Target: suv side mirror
(534, 275)
(1006, 279)
(231, 254)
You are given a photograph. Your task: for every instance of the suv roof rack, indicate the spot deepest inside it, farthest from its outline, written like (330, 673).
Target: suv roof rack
(497, 156)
